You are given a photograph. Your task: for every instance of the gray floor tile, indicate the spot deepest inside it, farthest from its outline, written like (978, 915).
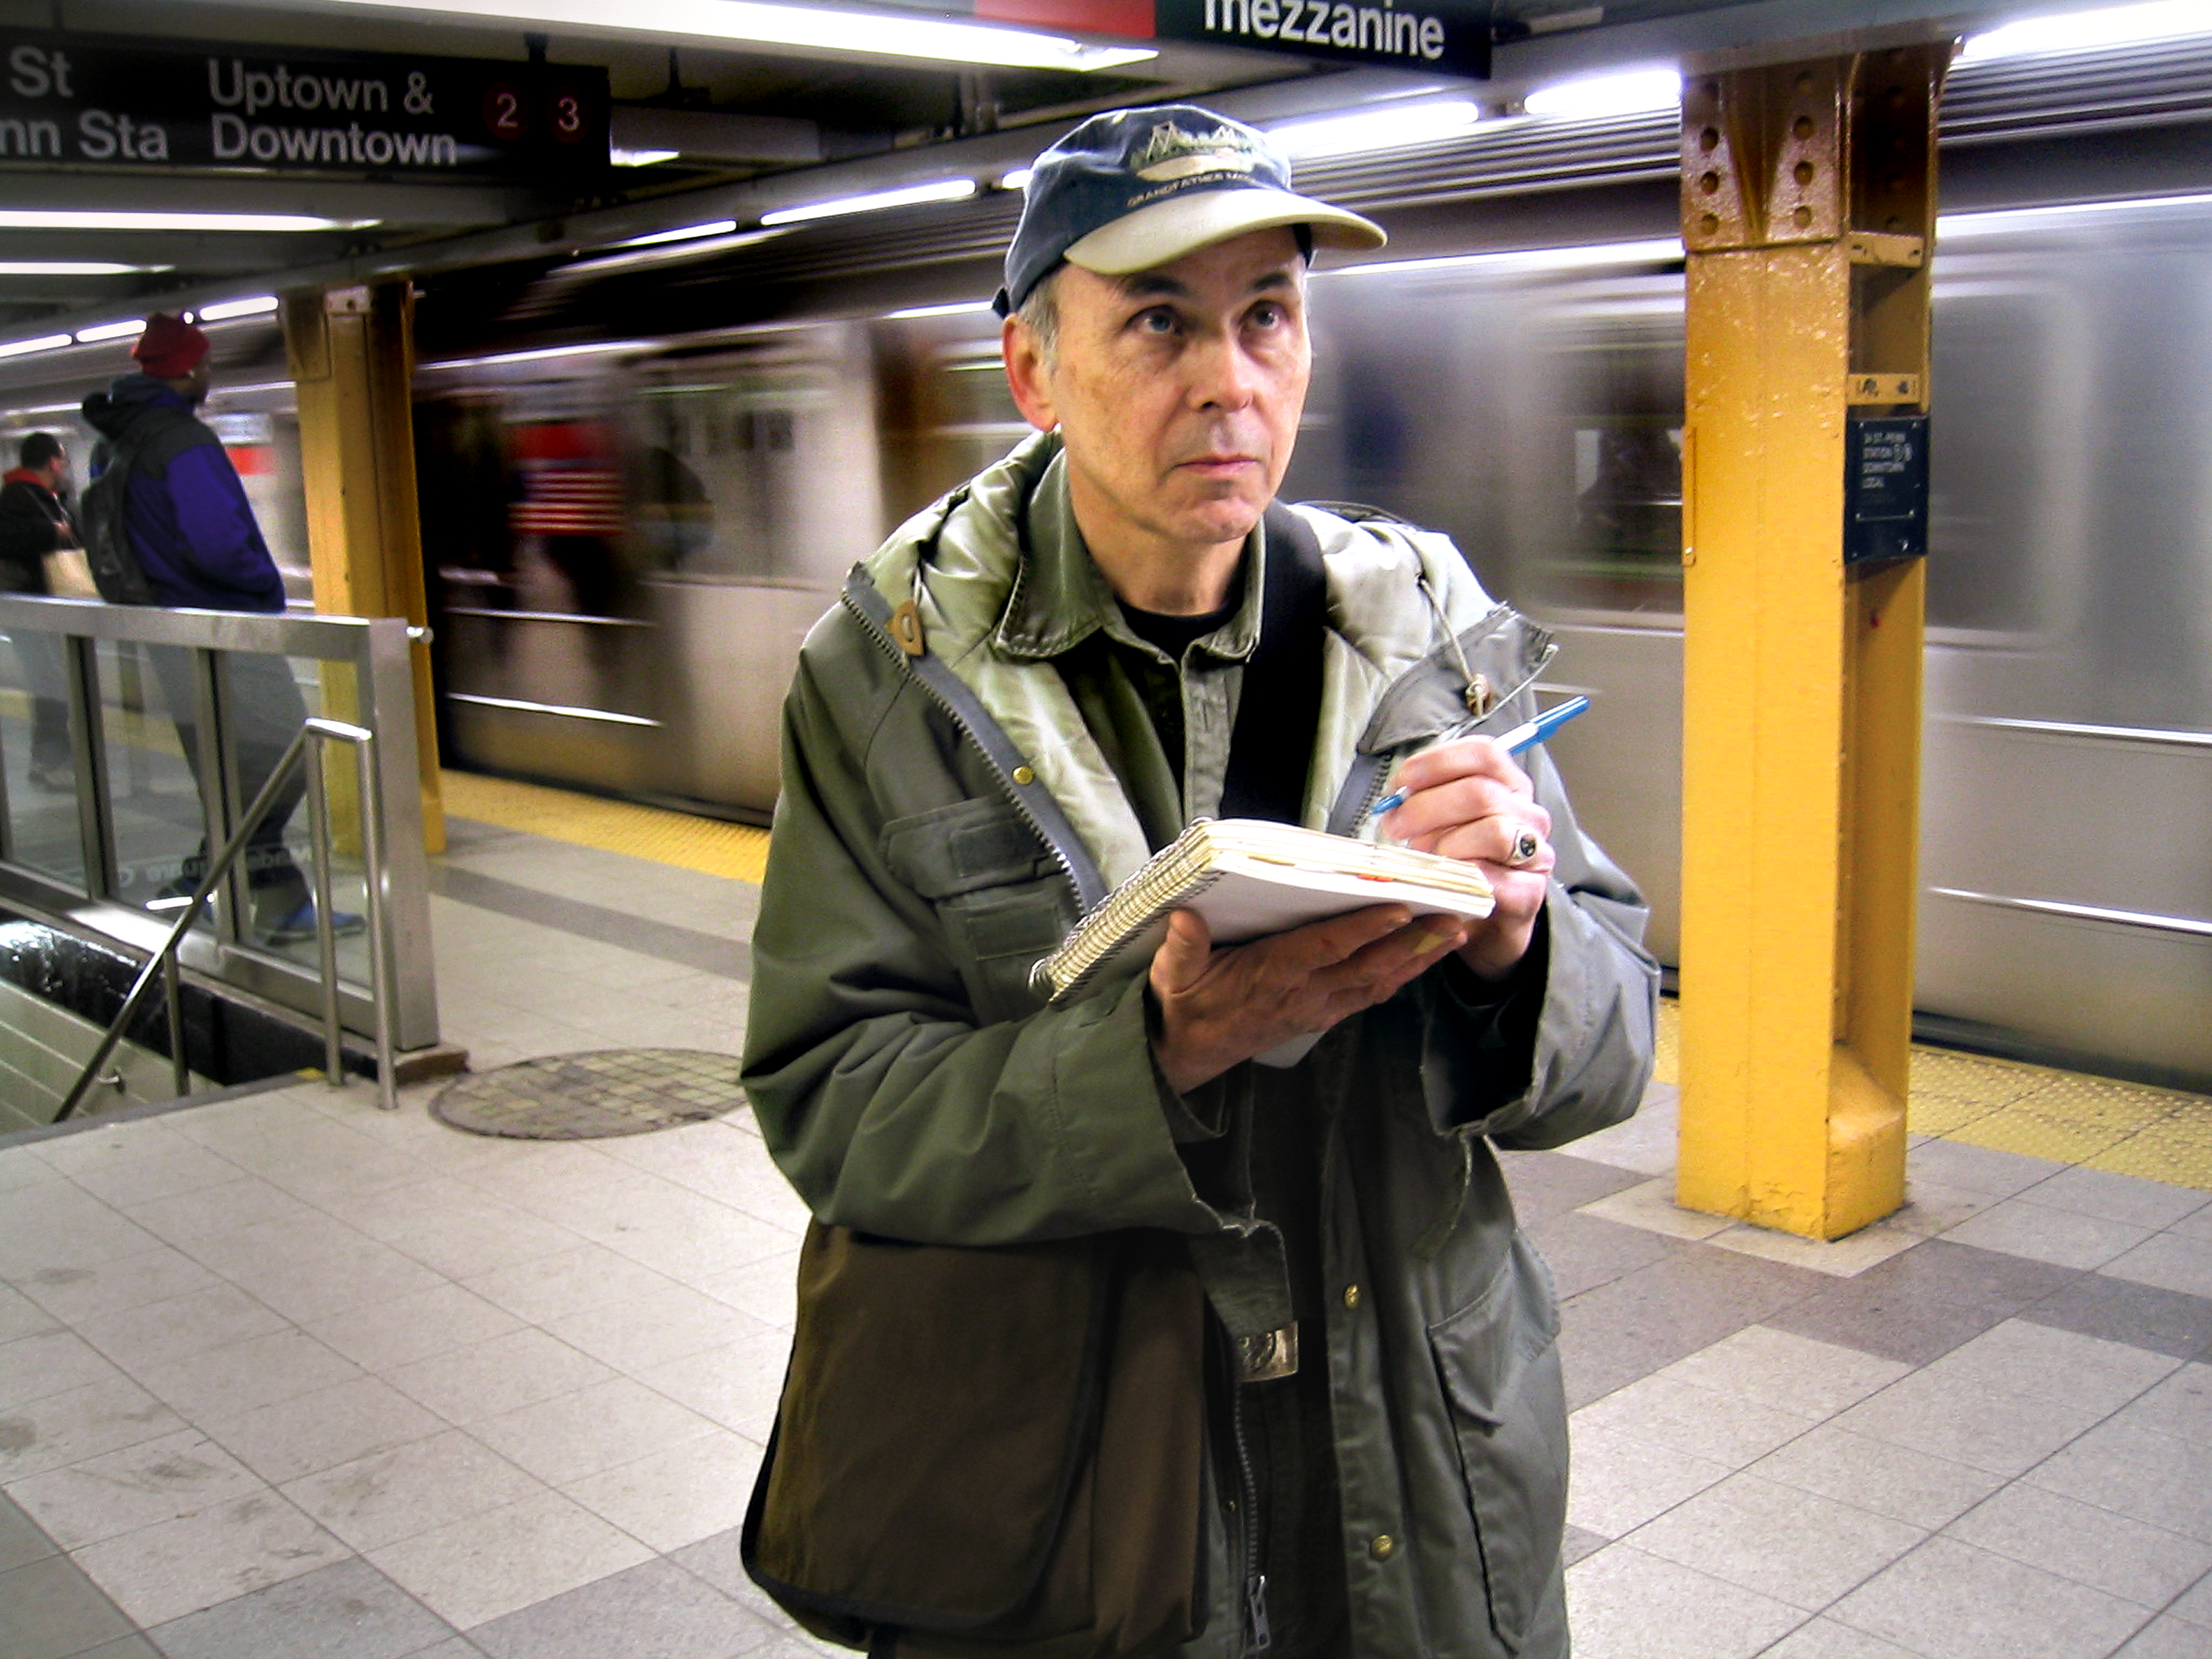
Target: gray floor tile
(1779, 1540)
(1629, 1605)
(1980, 1169)
(1897, 1481)
(21, 1538)
(458, 1647)
(348, 1611)
(657, 1609)
(49, 1609)
(1689, 1300)
(1950, 1599)
(1920, 1305)
(1824, 1638)
(2134, 1472)
(2006, 1434)
(2165, 1321)
(2166, 1639)
(1578, 1544)
(2145, 1564)
(1585, 1251)
(2043, 1363)
(1551, 1183)
(2181, 1406)
(2020, 1226)
(127, 1647)
(2152, 1204)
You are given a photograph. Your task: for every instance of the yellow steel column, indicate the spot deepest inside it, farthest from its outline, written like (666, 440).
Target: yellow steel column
(352, 359)
(1809, 199)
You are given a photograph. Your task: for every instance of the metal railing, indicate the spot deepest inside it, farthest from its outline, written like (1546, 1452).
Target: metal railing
(307, 746)
(142, 796)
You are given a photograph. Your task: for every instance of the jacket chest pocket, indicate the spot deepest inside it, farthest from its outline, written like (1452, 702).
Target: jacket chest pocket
(999, 893)
(1498, 1359)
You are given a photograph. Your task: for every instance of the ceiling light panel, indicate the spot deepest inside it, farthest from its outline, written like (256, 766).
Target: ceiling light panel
(870, 33)
(51, 219)
(941, 189)
(1391, 127)
(74, 268)
(1634, 92)
(2091, 31)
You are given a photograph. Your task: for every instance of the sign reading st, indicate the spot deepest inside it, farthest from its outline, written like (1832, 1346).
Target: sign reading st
(85, 100)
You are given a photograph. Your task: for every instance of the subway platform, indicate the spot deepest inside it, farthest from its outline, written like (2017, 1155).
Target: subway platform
(285, 1377)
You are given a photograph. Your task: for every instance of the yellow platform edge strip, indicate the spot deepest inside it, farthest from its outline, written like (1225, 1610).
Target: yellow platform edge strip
(2101, 1123)
(709, 845)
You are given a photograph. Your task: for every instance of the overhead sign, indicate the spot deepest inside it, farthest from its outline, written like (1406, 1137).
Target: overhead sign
(85, 101)
(1450, 36)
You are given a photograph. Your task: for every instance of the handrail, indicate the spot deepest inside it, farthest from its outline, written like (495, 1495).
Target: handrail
(323, 730)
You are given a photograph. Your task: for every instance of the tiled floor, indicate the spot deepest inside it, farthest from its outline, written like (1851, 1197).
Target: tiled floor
(286, 1378)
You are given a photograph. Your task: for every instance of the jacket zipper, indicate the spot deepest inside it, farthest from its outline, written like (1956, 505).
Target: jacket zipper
(1257, 1637)
(890, 647)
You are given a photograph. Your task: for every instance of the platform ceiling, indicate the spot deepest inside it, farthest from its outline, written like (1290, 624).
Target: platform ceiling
(872, 123)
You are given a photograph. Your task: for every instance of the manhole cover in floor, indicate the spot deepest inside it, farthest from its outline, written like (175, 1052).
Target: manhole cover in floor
(617, 1092)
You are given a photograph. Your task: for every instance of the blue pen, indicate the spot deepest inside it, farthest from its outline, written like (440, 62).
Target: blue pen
(1527, 735)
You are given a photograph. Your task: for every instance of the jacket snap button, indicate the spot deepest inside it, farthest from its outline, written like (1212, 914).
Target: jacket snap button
(1352, 1296)
(1023, 775)
(1383, 1547)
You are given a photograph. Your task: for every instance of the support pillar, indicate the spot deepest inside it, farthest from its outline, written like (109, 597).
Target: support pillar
(352, 358)
(1808, 198)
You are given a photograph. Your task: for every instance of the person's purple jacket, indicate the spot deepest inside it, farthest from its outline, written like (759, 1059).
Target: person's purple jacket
(194, 531)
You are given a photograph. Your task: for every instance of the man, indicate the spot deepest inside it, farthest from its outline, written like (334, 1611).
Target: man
(1041, 680)
(194, 534)
(35, 521)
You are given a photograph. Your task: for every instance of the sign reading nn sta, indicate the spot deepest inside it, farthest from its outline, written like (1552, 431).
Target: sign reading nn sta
(85, 100)
(1448, 37)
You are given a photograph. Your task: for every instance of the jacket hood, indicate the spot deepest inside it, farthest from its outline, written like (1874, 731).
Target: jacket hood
(108, 412)
(23, 475)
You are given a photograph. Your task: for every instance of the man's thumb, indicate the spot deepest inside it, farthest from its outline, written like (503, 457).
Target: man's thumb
(1183, 953)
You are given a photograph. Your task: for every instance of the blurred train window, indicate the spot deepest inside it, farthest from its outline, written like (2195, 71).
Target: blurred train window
(1994, 472)
(1609, 535)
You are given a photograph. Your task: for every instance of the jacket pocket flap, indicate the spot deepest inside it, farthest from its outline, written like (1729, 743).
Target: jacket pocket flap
(1482, 1350)
(956, 849)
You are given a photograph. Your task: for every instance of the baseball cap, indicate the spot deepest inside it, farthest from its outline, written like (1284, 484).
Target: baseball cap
(1135, 189)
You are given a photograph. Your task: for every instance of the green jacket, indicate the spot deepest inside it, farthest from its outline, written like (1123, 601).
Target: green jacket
(946, 816)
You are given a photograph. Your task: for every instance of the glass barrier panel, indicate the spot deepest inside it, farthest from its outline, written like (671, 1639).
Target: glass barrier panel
(38, 759)
(148, 719)
(266, 700)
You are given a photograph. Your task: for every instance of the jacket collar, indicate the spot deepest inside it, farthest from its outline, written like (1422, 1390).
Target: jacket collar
(1060, 596)
(23, 475)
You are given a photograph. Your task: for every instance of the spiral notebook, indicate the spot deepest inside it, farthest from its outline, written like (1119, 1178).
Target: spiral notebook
(1249, 878)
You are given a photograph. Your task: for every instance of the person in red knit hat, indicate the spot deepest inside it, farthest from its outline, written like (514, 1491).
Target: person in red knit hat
(194, 531)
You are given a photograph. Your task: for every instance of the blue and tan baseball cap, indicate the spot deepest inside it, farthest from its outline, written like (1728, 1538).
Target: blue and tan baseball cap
(1135, 189)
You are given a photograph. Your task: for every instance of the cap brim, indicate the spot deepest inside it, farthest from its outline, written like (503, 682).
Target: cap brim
(1163, 233)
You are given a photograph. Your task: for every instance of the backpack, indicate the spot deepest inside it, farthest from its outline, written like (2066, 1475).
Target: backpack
(145, 446)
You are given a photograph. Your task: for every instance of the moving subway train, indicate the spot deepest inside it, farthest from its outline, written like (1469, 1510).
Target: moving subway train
(628, 536)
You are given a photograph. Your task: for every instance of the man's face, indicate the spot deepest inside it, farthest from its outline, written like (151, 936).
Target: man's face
(1177, 391)
(56, 471)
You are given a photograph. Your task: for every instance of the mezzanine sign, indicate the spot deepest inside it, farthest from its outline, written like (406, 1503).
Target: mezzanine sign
(1450, 36)
(83, 101)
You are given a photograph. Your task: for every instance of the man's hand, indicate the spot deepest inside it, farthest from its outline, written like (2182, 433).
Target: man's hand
(1218, 1007)
(1467, 800)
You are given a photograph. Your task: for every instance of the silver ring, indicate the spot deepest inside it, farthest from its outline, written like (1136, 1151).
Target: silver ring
(1526, 846)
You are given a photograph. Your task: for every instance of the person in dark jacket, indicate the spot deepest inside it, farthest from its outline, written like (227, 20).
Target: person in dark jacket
(195, 535)
(35, 521)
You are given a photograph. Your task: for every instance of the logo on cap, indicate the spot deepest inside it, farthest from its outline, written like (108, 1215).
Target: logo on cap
(1170, 153)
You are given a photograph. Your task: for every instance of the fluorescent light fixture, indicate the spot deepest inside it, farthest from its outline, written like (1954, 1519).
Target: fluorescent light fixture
(1634, 92)
(963, 308)
(1391, 127)
(43, 342)
(940, 190)
(863, 33)
(2092, 30)
(699, 248)
(543, 354)
(259, 306)
(111, 332)
(257, 386)
(51, 219)
(1017, 180)
(642, 158)
(73, 268)
(1589, 257)
(680, 233)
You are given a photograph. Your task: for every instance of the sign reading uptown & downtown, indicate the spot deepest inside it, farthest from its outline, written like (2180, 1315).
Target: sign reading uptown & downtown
(93, 102)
